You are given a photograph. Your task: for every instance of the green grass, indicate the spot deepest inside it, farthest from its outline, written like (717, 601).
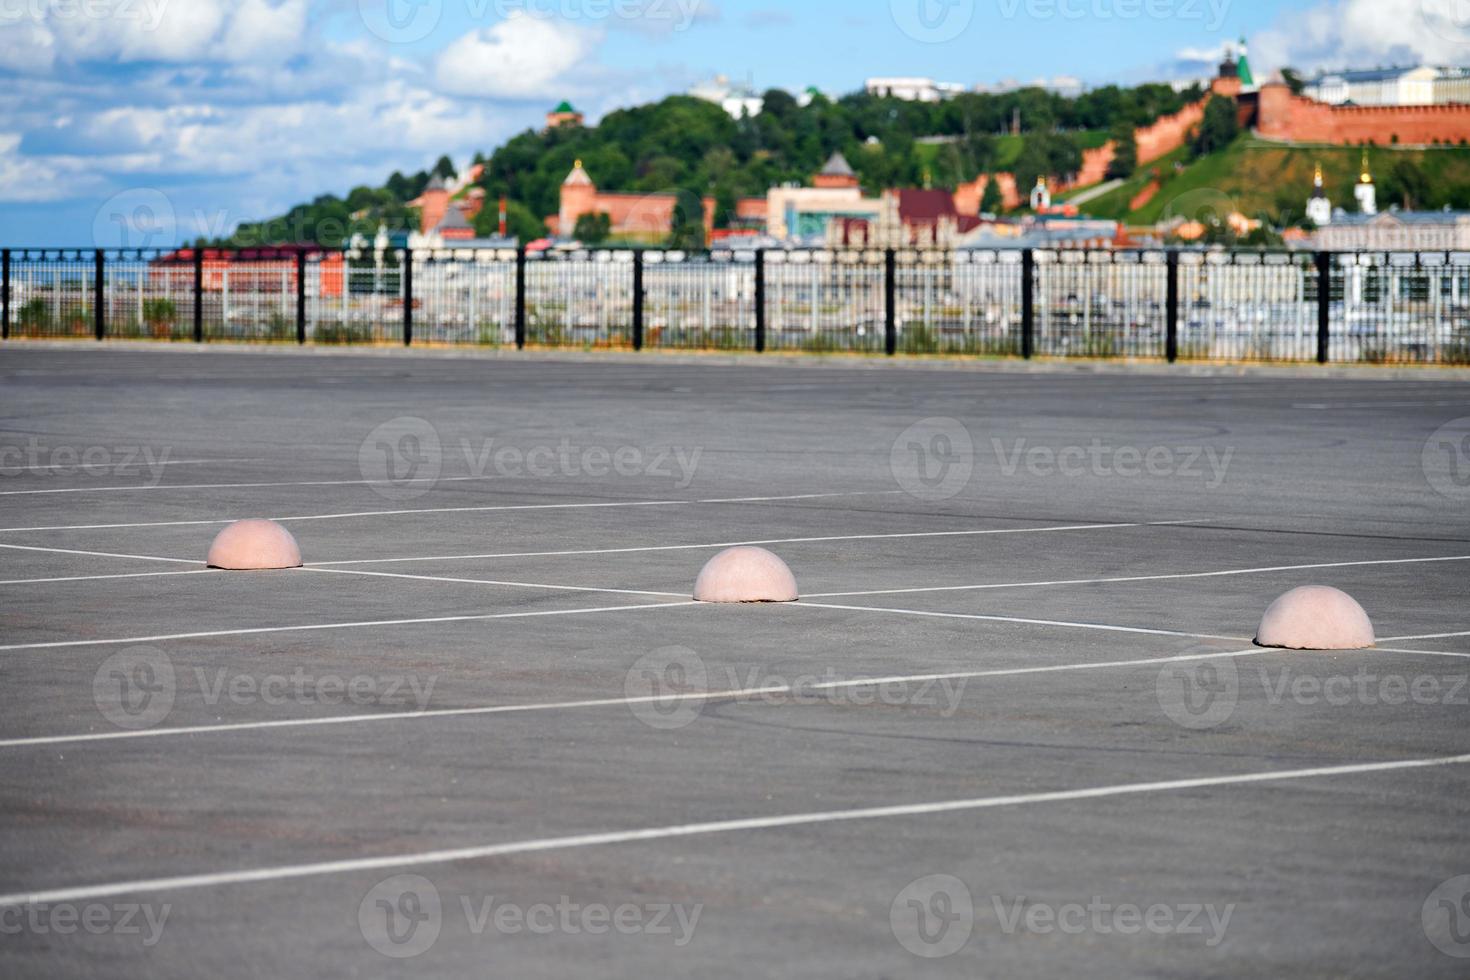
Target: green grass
(1259, 178)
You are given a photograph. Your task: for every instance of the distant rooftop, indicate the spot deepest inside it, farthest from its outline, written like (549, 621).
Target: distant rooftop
(837, 166)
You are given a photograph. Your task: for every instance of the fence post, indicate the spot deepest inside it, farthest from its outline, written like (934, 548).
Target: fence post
(890, 303)
(1171, 309)
(760, 300)
(301, 297)
(99, 295)
(521, 298)
(1028, 302)
(5, 294)
(198, 294)
(638, 299)
(408, 297)
(1324, 304)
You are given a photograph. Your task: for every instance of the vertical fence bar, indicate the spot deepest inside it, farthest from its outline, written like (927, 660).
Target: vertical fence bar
(890, 303)
(301, 297)
(1171, 308)
(521, 298)
(638, 300)
(408, 297)
(1028, 302)
(5, 294)
(760, 300)
(198, 294)
(99, 295)
(1324, 305)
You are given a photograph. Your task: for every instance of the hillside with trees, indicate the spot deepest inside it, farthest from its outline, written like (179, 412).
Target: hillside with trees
(687, 145)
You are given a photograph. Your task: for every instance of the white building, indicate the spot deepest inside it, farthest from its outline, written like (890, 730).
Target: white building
(738, 101)
(1381, 86)
(913, 89)
(1319, 208)
(1365, 192)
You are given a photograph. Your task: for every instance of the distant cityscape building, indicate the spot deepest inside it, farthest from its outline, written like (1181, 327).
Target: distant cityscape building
(1319, 208)
(1386, 86)
(563, 115)
(643, 217)
(738, 101)
(913, 89)
(1365, 192)
(837, 173)
(1040, 195)
(1394, 230)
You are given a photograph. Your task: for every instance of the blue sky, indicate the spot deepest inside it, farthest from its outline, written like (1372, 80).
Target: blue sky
(182, 117)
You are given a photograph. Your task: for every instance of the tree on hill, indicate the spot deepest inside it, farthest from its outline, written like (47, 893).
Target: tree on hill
(684, 142)
(688, 223)
(520, 223)
(593, 229)
(444, 169)
(1125, 153)
(1218, 128)
(990, 200)
(1047, 155)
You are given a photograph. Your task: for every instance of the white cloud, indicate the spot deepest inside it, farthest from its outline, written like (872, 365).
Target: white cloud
(1363, 34)
(26, 46)
(260, 31)
(521, 57)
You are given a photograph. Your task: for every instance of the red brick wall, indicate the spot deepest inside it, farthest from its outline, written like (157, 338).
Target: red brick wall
(1282, 115)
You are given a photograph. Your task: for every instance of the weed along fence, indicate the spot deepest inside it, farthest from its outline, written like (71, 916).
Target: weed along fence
(1377, 307)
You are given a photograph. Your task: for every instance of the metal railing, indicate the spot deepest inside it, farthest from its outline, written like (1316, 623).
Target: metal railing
(1344, 307)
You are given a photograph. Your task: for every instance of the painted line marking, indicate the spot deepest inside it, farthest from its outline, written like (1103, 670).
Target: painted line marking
(476, 581)
(1024, 621)
(1142, 578)
(707, 696)
(99, 554)
(468, 510)
(212, 634)
(484, 851)
(143, 465)
(738, 544)
(1424, 636)
(719, 695)
(243, 486)
(102, 578)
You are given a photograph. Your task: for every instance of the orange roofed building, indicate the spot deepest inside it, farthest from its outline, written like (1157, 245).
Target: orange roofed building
(636, 216)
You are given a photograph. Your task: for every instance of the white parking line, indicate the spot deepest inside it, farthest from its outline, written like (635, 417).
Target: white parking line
(480, 581)
(212, 634)
(467, 510)
(721, 695)
(103, 578)
(1017, 619)
(765, 541)
(1425, 636)
(243, 486)
(99, 554)
(156, 462)
(1145, 578)
(483, 851)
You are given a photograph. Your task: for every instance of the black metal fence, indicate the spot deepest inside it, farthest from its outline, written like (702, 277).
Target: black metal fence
(1364, 307)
